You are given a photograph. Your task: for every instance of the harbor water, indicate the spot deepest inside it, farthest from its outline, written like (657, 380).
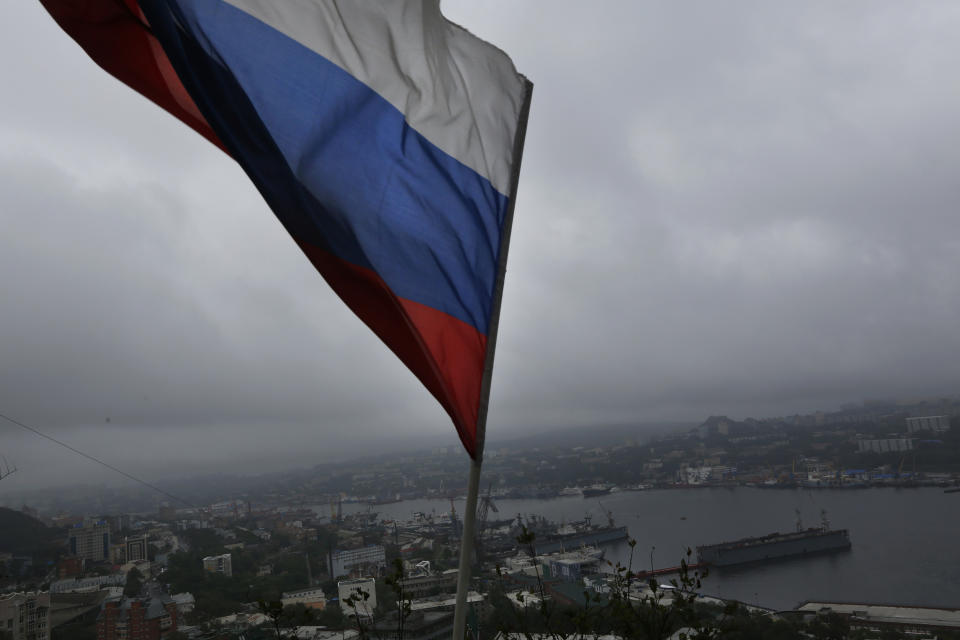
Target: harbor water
(905, 541)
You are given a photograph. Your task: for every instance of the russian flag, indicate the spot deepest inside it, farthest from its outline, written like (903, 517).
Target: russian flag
(385, 139)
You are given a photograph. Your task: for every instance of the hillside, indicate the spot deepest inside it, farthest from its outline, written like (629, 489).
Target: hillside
(22, 535)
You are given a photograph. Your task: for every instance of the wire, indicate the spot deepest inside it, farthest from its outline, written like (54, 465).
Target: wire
(97, 460)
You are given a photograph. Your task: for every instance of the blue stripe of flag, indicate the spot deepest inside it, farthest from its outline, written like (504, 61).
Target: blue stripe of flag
(359, 181)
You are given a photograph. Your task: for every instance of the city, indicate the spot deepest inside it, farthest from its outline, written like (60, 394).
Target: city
(315, 555)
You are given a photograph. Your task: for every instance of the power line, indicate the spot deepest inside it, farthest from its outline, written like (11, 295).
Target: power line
(97, 460)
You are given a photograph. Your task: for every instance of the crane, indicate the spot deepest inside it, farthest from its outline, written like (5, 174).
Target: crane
(607, 513)
(483, 510)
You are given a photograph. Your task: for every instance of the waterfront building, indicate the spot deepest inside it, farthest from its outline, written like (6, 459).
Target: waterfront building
(363, 592)
(694, 475)
(570, 569)
(219, 564)
(447, 602)
(423, 586)
(884, 445)
(26, 615)
(936, 424)
(312, 598)
(369, 560)
(914, 621)
(90, 542)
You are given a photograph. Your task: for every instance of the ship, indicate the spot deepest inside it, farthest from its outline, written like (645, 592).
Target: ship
(579, 534)
(593, 537)
(596, 490)
(776, 546)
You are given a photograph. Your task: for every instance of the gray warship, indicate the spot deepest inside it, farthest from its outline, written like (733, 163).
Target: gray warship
(776, 546)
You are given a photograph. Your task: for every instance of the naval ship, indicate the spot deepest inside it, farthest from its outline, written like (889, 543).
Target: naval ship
(776, 546)
(578, 534)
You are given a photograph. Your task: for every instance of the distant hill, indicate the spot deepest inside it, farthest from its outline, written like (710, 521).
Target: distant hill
(20, 534)
(590, 435)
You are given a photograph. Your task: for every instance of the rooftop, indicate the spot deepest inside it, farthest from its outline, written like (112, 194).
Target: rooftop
(890, 614)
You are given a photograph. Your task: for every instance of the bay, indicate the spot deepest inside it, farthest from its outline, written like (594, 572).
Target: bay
(905, 541)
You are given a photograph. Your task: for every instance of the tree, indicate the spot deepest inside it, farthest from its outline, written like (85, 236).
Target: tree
(634, 608)
(134, 583)
(331, 617)
(830, 627)
(274, 611)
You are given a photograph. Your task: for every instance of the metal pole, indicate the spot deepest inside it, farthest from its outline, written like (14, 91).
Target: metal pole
(466, 550)
(473, 485)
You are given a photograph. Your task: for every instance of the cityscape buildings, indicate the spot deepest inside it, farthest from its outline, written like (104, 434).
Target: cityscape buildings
(883, 445)
(26, 615)
(136, 548)
(149, 618)
(369, 560)
(219, 564)
(311, 597)
(90, 542)
(362, 595)
(273, 537)
(936, 424)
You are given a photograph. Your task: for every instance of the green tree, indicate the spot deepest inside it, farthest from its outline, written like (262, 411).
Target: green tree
(297, 615)
(830, 627)
(331, 616)
(274, 611)
(134, 583)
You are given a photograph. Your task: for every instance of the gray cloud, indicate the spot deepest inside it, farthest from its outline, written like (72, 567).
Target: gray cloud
(743, 208)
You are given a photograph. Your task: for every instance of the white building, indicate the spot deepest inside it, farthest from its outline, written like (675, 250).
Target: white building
(88, 585)
(937, 424)
(185, 602)
(26, 615)
(362, 593)
(312, 598)
(694, 475)
(448, 603)
(885, 445)
(219, 564)
(365, 561)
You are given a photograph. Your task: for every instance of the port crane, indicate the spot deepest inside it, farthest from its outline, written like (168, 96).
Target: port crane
(607, 513)
(483, 510)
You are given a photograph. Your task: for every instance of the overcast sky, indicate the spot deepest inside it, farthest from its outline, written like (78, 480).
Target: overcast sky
(745, 208)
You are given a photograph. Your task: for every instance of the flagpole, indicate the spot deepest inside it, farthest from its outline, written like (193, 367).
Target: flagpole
(473, 484)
